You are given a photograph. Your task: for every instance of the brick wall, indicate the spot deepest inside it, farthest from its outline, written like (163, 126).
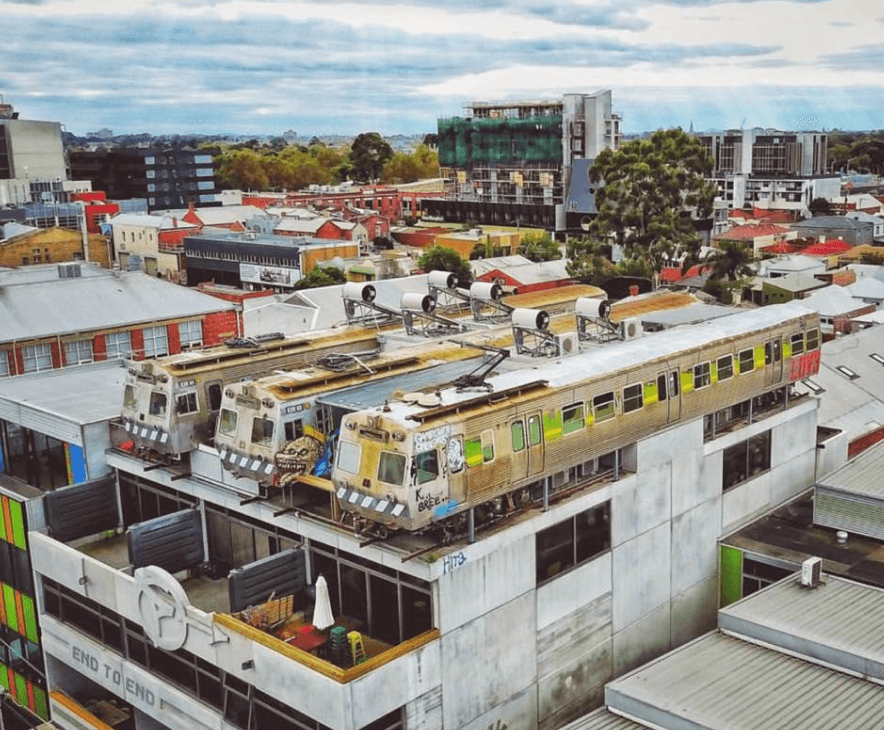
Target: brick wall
(174, 338)
(137, 338)
(218, 326)
(99, 348)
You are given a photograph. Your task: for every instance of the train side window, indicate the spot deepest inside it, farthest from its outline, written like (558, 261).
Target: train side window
(158, 402)
(349, 455)
(702, 376)
(797, 344)
(262, 431)
(294, 429)
(603, 407)
(572, 418)
(777, 351)
(534, 433)
(517, 430)
(213, 390)
(633, 398)
(673, 384)
(227, 422)
(391, 468)
(725, 367)
(813, 339)
(130, 397)
(427, 464)
(661, 387)
(186, 403)
(768, 353)
(747, 361)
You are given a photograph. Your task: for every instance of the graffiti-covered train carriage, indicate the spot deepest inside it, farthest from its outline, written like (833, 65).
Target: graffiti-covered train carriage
(413, 463)
(170, 404)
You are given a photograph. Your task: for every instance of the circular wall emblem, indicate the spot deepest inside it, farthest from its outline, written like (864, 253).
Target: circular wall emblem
(162, 605)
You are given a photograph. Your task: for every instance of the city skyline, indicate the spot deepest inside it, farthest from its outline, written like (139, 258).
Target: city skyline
(341, 68)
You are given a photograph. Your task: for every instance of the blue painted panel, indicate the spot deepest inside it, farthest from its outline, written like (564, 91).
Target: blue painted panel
(78, 464)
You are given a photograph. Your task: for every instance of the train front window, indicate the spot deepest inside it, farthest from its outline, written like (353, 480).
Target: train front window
(349, 455)
(227, 422)
(130, 397)
(391, 468)
(158, 403)
(262, 431)
(427, 465)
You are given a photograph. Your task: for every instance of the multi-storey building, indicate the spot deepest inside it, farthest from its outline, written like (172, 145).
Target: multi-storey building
(770, 168)
(167, 177)
(185, 620)
(525, 162)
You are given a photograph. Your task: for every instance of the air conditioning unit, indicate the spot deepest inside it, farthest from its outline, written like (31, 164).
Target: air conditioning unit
(811, 572)
(631, 328)
(568, 343)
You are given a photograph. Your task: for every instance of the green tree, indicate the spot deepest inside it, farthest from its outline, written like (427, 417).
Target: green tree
(321, 276)
(421, 164)
(820, 206)
(440, 258)
(539, 247)
(731, 261)
(243, 170)
(650, 191)
(368, 153)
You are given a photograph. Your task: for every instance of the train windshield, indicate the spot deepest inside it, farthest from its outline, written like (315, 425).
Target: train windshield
(391, 468)
(349, 455)
(227, 422)
(262, 431)
(158, 402)
(130, 397)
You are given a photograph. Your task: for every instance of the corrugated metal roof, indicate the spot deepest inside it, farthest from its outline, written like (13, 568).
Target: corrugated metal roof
(81, 394)
(101, 301)
(723, 683)
(691, 314)
(839, 621)
(603, 719)
(861, 475)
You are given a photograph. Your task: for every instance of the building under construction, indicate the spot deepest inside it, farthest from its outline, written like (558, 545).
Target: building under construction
(524, 162)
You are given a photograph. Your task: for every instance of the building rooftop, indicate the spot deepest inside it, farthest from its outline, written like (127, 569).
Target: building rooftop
(831, 221)
(160, 222)
(750, 232)
(35, 302)
(833, 301)
(827, 248)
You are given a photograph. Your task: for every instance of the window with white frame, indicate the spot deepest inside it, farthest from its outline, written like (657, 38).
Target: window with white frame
(191, 334)
(78, 352)
(119, 345)
(37, 357)
(4, 363)
(156, 341)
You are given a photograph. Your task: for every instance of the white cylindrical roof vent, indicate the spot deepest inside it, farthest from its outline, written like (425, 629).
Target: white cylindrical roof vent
(486, 292)
(535, 319)
(596, 308)
(358, 290)
(416, 302)
(442, 279)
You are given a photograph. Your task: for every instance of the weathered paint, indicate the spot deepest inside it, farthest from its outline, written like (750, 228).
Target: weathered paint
(731, 575)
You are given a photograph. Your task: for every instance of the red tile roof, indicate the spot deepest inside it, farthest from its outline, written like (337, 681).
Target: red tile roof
(780, 247)
(751, 232)
(827, 248)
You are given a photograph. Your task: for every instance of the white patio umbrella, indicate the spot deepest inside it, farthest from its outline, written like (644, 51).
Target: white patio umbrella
(322, 611)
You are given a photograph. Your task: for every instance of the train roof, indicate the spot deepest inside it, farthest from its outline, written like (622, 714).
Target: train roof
(605, 359)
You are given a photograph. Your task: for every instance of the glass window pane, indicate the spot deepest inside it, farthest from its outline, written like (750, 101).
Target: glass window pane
(262, 431)
(572, 418)
(391, 468)
(813, 339)
(633, 398)
(130, 397)
(555, 550)
(427, 466)
(797, 344)
(725, 367)
(747, 361)
(603, 406)
(534, 433)
(349, 455)
(227, 422)
(487, 446)
(157, 403)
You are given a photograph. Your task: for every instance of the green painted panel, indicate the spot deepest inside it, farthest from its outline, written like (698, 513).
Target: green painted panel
(787, 349)
(472, 449)
(9, 602)
(651, 395)
(552, 425)
(18, 524)
(731, 575)
(759, 357)
(27, 606)
(687, 381)
(4, 677)
(40, 705)
(713, 372)
(21, 689)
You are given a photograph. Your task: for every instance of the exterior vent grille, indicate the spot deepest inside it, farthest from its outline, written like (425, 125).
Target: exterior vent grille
(69, 271)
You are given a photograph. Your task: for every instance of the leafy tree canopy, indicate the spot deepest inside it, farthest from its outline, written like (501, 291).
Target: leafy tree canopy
(421, 164)
(321, 276)
(649, 192)
(539, 247)
(820, 206)
(441, 258)
(368, 154)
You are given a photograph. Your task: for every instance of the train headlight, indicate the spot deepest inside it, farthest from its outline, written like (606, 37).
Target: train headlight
(229, 393)
(164, 378)
(267, 403)
(350, 425)
(398, 436)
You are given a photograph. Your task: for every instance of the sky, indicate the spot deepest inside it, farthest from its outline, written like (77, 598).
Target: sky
(264, 67)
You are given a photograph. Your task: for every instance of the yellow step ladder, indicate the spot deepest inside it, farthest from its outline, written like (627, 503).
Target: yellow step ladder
(357, 649)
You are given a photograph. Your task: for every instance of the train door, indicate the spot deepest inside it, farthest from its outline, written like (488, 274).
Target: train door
(674, 395)
(534, 443)
(213, 402)
(773, 361)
